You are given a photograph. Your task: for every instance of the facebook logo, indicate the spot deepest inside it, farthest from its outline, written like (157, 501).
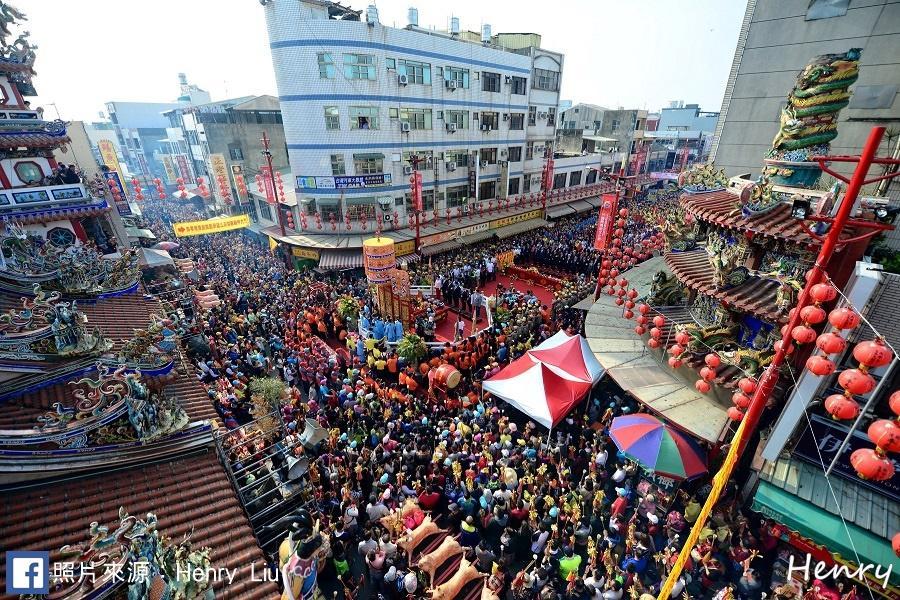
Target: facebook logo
(27, 572)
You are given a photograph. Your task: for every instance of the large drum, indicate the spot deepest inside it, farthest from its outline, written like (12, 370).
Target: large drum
(446, 376)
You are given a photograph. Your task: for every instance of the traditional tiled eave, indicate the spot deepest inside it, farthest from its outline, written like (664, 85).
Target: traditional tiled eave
(756, 295)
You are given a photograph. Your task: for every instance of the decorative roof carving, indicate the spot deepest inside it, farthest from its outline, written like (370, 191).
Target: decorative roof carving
(75, 270)
(702, 178)
(150, 563)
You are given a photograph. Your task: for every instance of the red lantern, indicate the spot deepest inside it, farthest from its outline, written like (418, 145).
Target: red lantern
(659, 320)
(643, 309)
(747, 385)
(777, 345)
(611, 291)
(619, 302)
(676, 350)
(656, 332)
(683, 338)
(872, 354)
(821, 366)
(614, 273)
(642, 320)
(653, 343)
(856, 382)
(841, 407)
(623, 282)
(708, 374)
(813, 314)
(894, 403)
(702, 386)
(623, 213)
(628, 315)
(803, 334)
(831, 343)
(640, 329)
(871, 464)
(740, 400)
(843, 318)
(712, 360)
(620, 293)
(895, 543)
(885, 434)
(674, 362)
(735, 414)
(629, 304)
(823, 292)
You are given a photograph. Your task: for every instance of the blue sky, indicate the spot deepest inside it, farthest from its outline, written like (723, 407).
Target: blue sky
(631, 53)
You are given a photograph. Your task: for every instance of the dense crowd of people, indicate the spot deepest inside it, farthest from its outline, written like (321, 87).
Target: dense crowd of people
(559, 516)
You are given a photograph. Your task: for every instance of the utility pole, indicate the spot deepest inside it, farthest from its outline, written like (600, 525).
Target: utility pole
(268, 154)
(415, 184)
(770, 377)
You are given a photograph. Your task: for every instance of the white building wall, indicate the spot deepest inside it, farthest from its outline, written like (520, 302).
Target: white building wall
(298, 31)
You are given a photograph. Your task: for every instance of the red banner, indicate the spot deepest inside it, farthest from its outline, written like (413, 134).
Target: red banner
(183, 168)
(415, 186)
(267, 184)
(605, 220)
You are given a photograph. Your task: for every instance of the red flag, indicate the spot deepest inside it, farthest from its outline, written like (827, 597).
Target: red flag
(606, 218)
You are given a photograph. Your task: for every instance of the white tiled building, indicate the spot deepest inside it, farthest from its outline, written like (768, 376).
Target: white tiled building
(361, 99)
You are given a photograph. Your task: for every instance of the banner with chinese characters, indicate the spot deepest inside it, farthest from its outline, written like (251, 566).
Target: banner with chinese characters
(184, 169)
(240, 184)
(343, 182)
(122, 203)
(525, 216)
(506, 259)
(169, 166)
(219, 171)
(189, 228)
(111, 159)
(605, 220)
(307, 253)
(266, 173)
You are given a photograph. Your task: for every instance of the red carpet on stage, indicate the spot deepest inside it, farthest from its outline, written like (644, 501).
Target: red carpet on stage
(444, 331)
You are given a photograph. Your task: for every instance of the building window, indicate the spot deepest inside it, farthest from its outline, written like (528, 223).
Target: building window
(456, 196)
(427, 201)
(368, 164)
(326, 65)
(332, 117)
(591, 177)
(551, 115)
(490, 82)
(359, 66)
(337, 165)
(460, 76)
(416, 72)
(514, 153)
(826, 9)
(545, 80)
(363, 117)
(390, 64)
(460, 158)
(418, 118)
(265, 212)
(490, 119)
(615, 125)
(513, 186)
(532, 116)
(361, 207)
(574, 178)
(487, 189)
(236, 153)
(488, 155)
(419, 161)
(460, 118)
(529, 150)
(29, 172)
(61, 237)
(517, 120)
(559, 181)
(519, 85)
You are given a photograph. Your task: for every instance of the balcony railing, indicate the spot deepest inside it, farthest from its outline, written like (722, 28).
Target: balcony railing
(19, 115)
(45, 195)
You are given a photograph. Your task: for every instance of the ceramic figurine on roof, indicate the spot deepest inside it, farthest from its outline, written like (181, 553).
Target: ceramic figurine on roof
(702, 178)
(150, 563)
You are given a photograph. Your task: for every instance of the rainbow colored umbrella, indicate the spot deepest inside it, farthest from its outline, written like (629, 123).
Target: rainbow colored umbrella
(658, 447)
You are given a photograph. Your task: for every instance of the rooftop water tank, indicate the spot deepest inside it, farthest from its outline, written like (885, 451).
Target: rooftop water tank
(413, 16)
(371, 14)
(486, 34)
(454, 25)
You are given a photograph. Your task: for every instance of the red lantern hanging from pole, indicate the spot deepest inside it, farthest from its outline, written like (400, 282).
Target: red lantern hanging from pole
(872, 354)
(841, 407)
(872, 465)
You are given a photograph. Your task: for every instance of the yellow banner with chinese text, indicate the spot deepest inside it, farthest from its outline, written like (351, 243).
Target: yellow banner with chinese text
(189, 228)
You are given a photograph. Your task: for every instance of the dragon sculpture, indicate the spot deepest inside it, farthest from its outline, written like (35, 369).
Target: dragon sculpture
(720, 338)
(151, 346)
(678, 229)
(666, 290)
(702, 178)
(150, 563)
(8, 17)
(725, 256)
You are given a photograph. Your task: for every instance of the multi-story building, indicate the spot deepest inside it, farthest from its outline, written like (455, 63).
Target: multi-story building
(681, 137)
(775, 41)
(365, 105)
(229, 132)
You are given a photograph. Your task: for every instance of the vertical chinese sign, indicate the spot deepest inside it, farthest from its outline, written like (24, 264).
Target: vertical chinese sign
(110, 159)
(266, 173)
(219, 171)
(184, 168)
(605, 220)
(169, 166)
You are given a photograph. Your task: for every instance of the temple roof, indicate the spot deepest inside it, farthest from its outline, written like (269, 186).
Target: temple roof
(28, 139)
(91, 208)
(192, 494)
(755, 295)
(723, 208)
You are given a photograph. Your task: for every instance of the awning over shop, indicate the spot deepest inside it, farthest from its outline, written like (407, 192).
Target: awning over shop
(409, 259)
(554, 212)
(151, 258)
(581, 206)
(478, 236)
(824, 527)
(438, 248)
(136, 232)
(517, 228)
(339, 260)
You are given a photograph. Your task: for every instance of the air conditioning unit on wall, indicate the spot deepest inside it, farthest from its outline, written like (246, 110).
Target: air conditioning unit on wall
(402, 79)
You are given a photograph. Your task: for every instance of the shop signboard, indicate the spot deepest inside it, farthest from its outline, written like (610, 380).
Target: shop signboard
(343, 182)
(526, 216)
